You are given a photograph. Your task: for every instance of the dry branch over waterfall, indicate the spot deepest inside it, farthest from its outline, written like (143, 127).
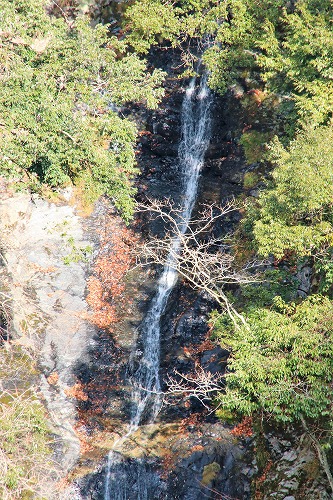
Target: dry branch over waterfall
(204, 260)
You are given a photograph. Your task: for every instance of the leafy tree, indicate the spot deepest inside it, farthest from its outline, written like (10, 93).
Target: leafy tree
(287, 49)
(150, 22)
(281, 364)
(300, 61)
(295, 211)
(60, 85)
(281, 368)
(237, 30)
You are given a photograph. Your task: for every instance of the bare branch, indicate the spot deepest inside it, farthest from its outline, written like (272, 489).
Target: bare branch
(200, 257)
(202, 385)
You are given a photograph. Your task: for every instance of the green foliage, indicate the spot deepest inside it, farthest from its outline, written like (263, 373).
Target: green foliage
(24, 437)
(77, 254)
(302, 60)
(237, 34)
(210, 472)
(57, 83)
(253, 143)
(276, 238)
(295, 211)
(289, 50)
(220, 323)
(324, 268)
(151, 21)
(250, 180)
(275, 283)
(24, 433)
(282, 363)
(226, 415)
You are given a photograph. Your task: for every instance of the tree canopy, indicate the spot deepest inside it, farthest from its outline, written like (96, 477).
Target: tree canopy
(282, 363)
(295, 212)
(61, 83)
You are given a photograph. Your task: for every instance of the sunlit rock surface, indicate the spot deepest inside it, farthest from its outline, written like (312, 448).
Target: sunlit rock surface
(46, 257)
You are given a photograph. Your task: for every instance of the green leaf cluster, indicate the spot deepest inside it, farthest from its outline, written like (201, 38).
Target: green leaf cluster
(295, 211)
(238, 32)
(323, 266)
(282, 363)
(150, 22)
(60, 85)
(301, 63)
(287, 48)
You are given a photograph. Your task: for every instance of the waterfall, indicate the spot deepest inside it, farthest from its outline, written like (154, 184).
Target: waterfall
(192, 148)
(146, 391)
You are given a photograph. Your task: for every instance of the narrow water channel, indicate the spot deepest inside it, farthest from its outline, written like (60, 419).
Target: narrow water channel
(146, 384)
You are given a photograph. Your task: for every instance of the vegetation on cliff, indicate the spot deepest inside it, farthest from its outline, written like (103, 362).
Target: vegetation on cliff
(63, 83)
(25, 461)
(277, 57)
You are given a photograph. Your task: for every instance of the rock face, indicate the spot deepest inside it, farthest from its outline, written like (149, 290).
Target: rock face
(292, 469)
(46, 255)
(177, 457)
(215, 462)
(222, 175)
(304, 279)
(168, 462)
(184, 325)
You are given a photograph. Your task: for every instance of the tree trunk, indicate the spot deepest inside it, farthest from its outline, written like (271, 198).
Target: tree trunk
(321, 454)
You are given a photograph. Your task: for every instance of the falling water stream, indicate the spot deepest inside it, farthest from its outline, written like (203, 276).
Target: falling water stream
(145, 381)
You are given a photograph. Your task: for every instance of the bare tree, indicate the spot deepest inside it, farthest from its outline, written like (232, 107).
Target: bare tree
(204, 260)
(202, 385)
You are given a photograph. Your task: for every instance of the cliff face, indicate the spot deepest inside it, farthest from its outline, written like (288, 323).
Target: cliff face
(49, 251)
(46, 256)
(186, 453)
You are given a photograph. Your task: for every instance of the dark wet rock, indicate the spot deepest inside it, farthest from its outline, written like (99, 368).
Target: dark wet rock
(192, 466)
(136, 478)
(303, 276)
(214, 360)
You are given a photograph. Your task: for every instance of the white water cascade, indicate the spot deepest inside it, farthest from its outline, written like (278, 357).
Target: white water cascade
(146, 382)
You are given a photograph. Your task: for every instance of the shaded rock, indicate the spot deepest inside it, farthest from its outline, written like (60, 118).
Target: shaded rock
(304, 278)
(295, 470)
(289, 456)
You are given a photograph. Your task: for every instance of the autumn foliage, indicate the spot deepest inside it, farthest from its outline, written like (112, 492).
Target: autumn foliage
(106, 285)
(244, 428)
(76, 392)
(258, 494)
